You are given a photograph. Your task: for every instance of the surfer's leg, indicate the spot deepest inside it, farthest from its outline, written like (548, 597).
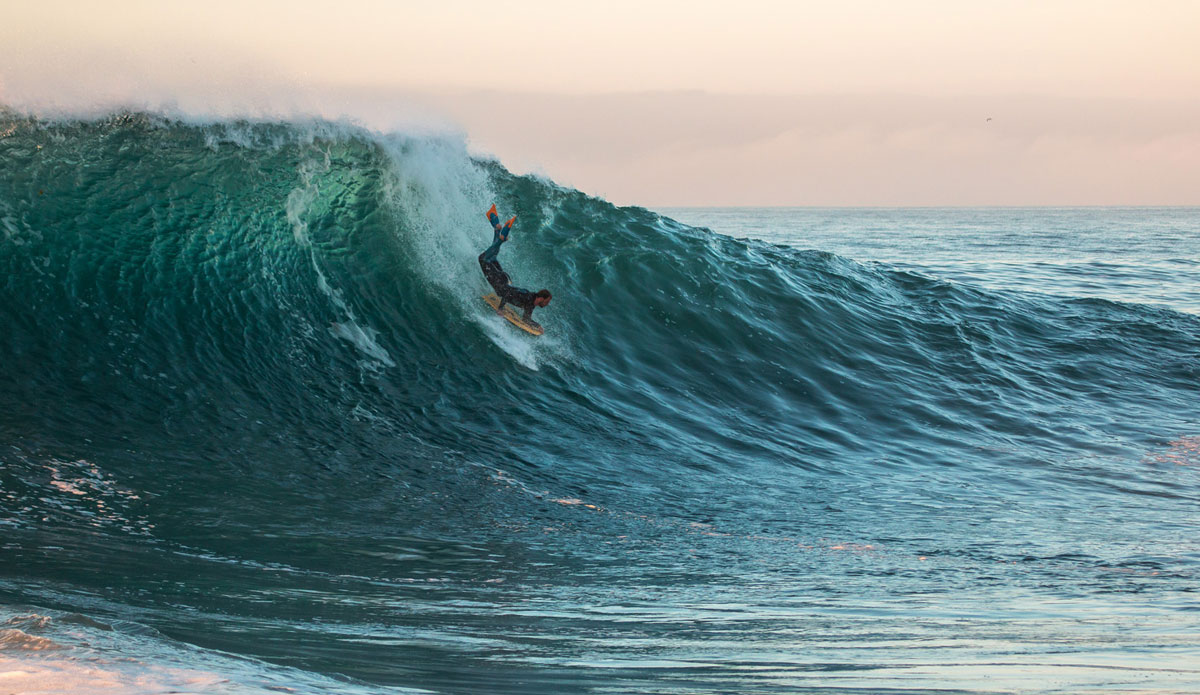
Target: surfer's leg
(489, 256)
(493, 273)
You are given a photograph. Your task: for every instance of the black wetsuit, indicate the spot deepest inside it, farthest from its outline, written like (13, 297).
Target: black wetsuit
(499, 281)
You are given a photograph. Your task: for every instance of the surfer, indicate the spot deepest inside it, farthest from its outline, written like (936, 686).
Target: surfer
(499, 280)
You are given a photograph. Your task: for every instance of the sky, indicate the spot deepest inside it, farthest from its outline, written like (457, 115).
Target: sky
(753, 102)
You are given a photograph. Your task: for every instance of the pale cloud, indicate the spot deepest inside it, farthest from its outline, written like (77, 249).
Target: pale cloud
(933, 47)
(758, 103)
(711, 149)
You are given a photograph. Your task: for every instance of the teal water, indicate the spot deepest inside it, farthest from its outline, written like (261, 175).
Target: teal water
(1124, 254)
(259, 434)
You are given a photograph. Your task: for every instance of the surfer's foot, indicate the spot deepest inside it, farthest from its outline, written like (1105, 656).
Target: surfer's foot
(492, 216)
(507, 228)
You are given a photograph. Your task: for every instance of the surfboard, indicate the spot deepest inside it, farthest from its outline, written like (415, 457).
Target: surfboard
(513, 317)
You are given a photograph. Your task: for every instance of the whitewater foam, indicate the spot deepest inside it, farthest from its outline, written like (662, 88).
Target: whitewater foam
(81, 655)
(441, 194)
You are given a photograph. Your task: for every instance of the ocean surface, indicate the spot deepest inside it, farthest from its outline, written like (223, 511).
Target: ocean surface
(259, 434)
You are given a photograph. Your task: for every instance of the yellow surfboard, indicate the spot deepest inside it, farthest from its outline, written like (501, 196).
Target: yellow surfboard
(513, 317)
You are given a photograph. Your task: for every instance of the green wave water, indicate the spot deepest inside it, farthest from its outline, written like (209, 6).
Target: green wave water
(257, 431)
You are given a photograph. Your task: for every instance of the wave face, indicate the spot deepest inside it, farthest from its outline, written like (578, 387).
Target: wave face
(248, 388)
